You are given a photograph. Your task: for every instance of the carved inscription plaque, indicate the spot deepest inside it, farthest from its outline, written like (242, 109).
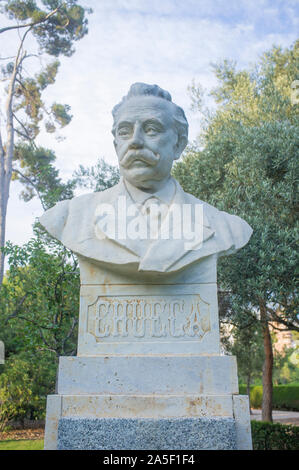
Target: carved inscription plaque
(152, 318)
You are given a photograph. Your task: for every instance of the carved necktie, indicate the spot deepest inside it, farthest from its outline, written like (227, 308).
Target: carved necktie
(154, 211)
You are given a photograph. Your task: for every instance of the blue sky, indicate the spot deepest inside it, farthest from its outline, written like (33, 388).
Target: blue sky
(168, 42)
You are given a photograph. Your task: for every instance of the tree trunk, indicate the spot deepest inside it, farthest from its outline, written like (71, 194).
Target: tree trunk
(248, 391)
(3, 207)
(6, 156)
(267, 367)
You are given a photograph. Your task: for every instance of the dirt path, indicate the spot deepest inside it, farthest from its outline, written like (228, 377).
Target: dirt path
(18, 434)
(283, 417)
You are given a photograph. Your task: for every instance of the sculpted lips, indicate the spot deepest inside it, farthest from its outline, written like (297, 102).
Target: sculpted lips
(142, 155)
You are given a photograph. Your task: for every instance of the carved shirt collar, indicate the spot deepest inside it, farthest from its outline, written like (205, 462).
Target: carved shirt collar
(165, 194)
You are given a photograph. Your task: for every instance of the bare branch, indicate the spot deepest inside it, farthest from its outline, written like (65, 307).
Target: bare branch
(27, 136)
(29, 25)
(8, 58)
(279, 319)
(18, 308)
(42, 337)
(74, 323)
(28, 180)
(20, 133)
(15, 314)
(278, 329)
(48, 349)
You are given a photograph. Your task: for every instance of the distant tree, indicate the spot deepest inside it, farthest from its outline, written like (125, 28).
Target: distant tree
(15, 391)
(39, 176)
(246, 343)
(246, 162)
(39, 299)
(99, 177)
(286, 363)
(25, 381)
(55, 25)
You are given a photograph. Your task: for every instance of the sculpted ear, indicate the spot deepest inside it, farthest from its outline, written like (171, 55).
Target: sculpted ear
(180, 146)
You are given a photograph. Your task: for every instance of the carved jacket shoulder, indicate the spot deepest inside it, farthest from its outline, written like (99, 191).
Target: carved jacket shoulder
(73, 223)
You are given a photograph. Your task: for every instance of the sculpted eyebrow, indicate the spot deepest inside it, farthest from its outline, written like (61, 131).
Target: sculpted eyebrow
(124, 123)
(154, 121)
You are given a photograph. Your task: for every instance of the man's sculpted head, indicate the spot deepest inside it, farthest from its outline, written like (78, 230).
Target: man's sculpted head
(150, 132)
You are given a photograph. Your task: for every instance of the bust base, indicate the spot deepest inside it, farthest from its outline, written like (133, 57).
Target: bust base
(146, 434)
(155, 422)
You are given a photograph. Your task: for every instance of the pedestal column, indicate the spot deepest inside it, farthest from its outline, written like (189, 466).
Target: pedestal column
(149, 374)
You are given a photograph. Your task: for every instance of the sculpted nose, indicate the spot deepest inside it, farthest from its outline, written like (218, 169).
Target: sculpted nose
(137, 139)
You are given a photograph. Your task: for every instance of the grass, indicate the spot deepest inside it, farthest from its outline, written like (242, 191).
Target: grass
(22, 445)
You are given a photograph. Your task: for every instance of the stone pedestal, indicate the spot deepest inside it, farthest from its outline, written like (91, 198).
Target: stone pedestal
(149, 374)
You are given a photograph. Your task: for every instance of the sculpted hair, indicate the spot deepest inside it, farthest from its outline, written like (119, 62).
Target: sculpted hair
(142, 89)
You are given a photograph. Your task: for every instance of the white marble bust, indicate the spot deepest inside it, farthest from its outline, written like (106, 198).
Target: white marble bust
(150, 132)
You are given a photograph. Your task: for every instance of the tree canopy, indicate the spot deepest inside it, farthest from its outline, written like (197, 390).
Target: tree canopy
(55, 26)
(245, 161)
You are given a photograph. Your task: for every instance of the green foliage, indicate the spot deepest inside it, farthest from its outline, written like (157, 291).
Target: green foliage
(15, 391)
(61, 114)
(256, 397)
(55, 25)
(20, 10)
(47, 76)
(39, 302)
(25, 381)
(286, 367)
(246, 163)
(55, 34)
(285, 397)
(246, 344)
(98, 178)
(268, 436)
(39, 176)
(28, 98)
(40, 296)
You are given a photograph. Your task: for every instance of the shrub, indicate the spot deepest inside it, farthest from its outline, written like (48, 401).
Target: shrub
(269, 436)
(15, 392)
(25, 381)
(285, 397)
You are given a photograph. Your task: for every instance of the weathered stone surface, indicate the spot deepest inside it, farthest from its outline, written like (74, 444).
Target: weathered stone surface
(147, 434)
(148, 319)
(146, 406)
(142, 375)
(243, 425)
(149, 406)
(202, 272)
(53, 414)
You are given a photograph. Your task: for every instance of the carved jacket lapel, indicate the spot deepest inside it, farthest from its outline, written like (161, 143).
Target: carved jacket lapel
(119, 202)
(157, 255)
(162, 254)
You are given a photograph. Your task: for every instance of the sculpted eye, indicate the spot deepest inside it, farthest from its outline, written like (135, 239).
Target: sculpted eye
(124, 131)
(152, 129)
